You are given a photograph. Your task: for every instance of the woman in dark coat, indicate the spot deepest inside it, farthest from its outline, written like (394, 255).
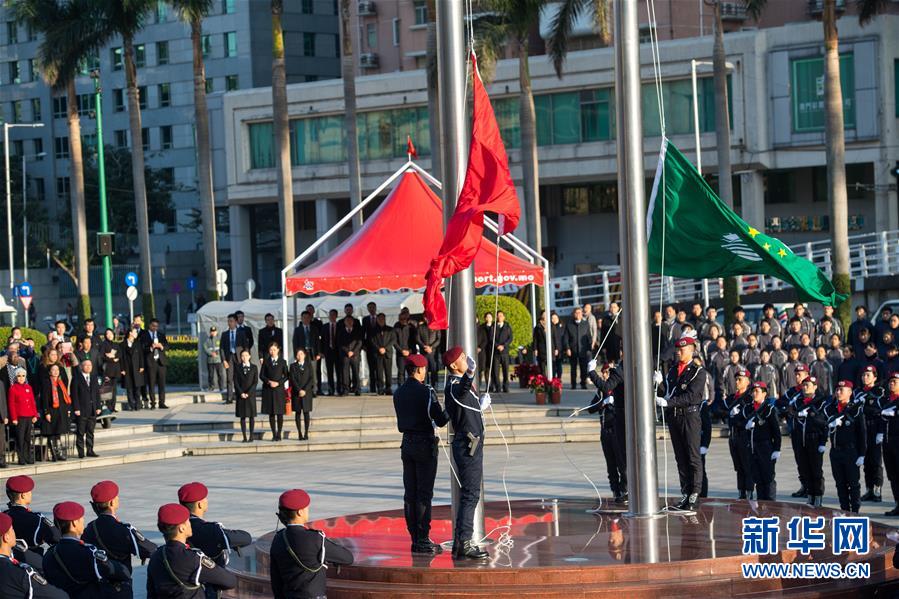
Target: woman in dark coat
(132, 356)
(274, 374)
(246, 375)
(302, 391)
(54, 404)
(111, 361)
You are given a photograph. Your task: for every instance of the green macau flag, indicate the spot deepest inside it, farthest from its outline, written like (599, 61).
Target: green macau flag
(700, 237)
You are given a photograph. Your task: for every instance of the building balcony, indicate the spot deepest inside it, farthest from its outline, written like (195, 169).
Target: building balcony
(733, 11)
(367, 8)
(369, 60)
(816, 7)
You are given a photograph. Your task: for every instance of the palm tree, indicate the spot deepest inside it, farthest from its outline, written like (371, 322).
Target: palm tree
(70, 35)
(193, 12)
(282, 136)
(562, 25)
(348, 72)
(433, 92)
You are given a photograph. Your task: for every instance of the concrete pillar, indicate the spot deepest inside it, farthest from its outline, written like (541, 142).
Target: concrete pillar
(241, 249)
(325, 218)
(752, 187)
(886, 205)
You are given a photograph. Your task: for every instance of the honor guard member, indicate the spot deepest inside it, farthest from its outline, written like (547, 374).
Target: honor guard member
(19, 580)
(32, 527)
(738, 434)
(808, 437)
(211, 538)
(681, 394)
(846, 432)
(609, 403)
(763, 425)
(790, 397)
(118, 539)
(418, 414)
(80, 569)
(299, 555)
(465, 411)
(888, 436)
(177, 571)
(872, 396)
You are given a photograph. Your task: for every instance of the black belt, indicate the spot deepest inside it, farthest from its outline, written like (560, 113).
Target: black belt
(416, 435)
(686, 410)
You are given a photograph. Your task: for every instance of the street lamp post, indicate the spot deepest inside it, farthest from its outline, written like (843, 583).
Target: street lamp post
(101, 177)
(12, 275)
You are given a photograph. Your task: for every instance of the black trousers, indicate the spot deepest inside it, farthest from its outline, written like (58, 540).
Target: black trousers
(4, 443)
(132, 394)
(432, 368)
(382, 374)
(501, 366)
(811, 463)
(796, 442)
(215, 376)
(685, 428)
(229, 395)
(84, 434)
(873, 458)
(741, 455)
(24, 444)
(482, 367)
(614, 453)
(419, 455)
(318, 371)
(371, 360)
(891, 463)
(349, 373)
(578, 361)
(470, 469)
(400, 367)
(762, 467)
(846, 477)
(156, 382)
(332, 366)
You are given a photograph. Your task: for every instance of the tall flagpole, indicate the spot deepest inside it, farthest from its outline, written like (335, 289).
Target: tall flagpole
(637, 364)
(451, 61)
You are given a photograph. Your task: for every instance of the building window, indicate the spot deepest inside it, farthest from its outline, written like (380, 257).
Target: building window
(231, 83)
(396, 31)
(421, 12)
(306, 7)
(142, 97)
(61, 147)
(308, 44)
(228, 7)
(140, 55)
(145, 139)
(163, 90)
(32, 72)
(38, 146)
(13, 69)
(162, 53)
(558, 118)
(40, 189)
(896, 85)
(18, 148)
(807, 93)
(89, 143)
(116, 58)
(162, 11)
(121, 138)
(678, 99)
(16, 115)
(165, 137)
(32, 34)
(36, 109)
(62, 186)
(118, 100)
(371, 35)
(60, 107)
(210, 87)
(12, 32)
(85, 104)
(506, 111)
(597, 114)
(231, 44)
(383, 133)
(90, 63)
(206, 45)
(262, 146)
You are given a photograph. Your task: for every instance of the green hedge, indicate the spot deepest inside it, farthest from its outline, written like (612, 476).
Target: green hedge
(517, 316)
(182, 367)
(40, 340)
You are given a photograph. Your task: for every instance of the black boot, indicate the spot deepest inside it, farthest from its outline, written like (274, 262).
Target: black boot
(892, 512)
(802, 492)
(426, 547)
(468, 550)
(868, 496)
(877, 494)
(742, 495)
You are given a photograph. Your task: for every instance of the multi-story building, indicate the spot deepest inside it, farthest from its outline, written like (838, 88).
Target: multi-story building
(777, 137)
(237, 43)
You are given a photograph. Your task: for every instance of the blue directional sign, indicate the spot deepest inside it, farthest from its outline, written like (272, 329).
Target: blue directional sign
(25, 289)
(131, 279)
(192, 283)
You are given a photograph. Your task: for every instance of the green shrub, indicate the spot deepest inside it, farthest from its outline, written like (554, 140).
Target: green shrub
(182, 367)
(40, 340)
(517, 316)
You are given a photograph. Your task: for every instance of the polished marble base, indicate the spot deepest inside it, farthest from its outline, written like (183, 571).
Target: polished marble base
(562, 548)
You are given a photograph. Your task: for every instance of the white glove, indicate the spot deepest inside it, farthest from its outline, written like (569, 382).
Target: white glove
(703, 450)
(890, 412)
(835, 422)
(735, 410)
(607, 401)
(591, 365)
(775, 455)
(803, 413)
(878, 439)
(661, 402)
(470, 362)
(820, 449)
(750, 425)
(657, 378)
(860, 461)
(485, 401)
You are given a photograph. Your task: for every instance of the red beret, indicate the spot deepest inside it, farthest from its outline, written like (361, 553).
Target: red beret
(811, 379)
(5, 524)
(295, 499)
(417, 360)
(800, 368)
(760, 385)
(172, 514)
(742, 372)
(685, 341)
(894, 375)
(68, 511)
(870, 368)
(845, 384)
(192, 492)
(19, 484)
(452, 354)
(104, 491)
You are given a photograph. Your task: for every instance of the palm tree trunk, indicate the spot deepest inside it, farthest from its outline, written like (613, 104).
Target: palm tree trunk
(347, 71)
(137, 174)
(529, 166)
(76, 195)
(433, 92)
(722, 143)
(835, 147)
(282, 137)
(204, 163)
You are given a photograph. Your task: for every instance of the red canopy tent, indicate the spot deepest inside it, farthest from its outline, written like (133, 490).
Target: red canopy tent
(394, 248)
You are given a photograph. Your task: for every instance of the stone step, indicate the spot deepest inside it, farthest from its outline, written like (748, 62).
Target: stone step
(118, 458)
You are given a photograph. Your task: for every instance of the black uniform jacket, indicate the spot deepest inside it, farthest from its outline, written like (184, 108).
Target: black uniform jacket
(299, 558)
(215, 540)
(33, 527)
(463, 406)
(177, 571)
(18, 579)
(417, 408)
(118, 539)
(83, 570)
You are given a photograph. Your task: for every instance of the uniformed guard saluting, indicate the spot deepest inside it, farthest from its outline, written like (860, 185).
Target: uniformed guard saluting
(80, 569)
(764, 440)
(211, 538)
(300, 555)
(790, 396)
(809, 434)
(846, 432)
(609, 403)
(118, 539)
(465, 409)
(871, 396)
(738, 434)
(32, 527)
(418, 414)
(19, 580)
(888, 436)
(177, 571)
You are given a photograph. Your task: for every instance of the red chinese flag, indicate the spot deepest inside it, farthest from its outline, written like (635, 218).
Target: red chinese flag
(410, 149)
(488, 187)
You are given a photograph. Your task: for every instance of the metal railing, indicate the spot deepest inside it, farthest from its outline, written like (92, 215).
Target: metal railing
(870, 255)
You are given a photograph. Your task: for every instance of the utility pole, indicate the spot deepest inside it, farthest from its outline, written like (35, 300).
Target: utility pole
(101, 178)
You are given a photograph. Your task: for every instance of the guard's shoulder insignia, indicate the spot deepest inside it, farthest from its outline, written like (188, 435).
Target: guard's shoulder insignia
(99, 555)
(37, 578)
(207, 562)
